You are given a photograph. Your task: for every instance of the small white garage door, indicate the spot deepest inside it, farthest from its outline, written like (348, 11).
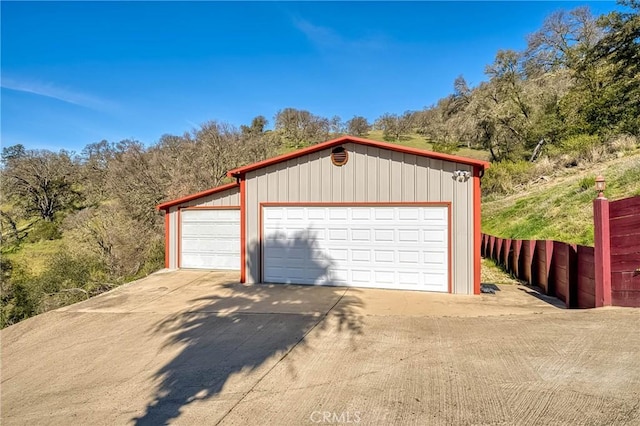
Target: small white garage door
(396, 247)
(210, 239)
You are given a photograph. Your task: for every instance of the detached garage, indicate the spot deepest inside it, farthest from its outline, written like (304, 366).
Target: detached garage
(202, 231)
(347, 212)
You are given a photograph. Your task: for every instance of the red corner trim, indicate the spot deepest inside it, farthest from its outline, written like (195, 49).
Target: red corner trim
(477, 230)
(167, 243)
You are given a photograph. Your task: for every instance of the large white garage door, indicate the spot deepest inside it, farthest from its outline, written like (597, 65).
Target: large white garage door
(210, 239)
(398, 247)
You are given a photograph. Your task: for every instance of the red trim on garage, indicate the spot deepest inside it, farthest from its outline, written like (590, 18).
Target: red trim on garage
(167, 245)
(446, 204)
(356, 204)
(211, 208)
(477, 230)
(449, 249)
(261, 235)
(166, 205)
(243, 231)
(347, 139)
(179, 236)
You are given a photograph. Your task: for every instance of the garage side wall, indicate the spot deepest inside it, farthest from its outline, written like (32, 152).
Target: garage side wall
(228, 198)
(370, 175)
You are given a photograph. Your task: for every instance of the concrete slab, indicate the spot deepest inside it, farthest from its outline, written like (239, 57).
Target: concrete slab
(196, 347)
(508, 300)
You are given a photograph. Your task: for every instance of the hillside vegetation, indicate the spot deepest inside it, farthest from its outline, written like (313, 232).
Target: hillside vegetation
(559, 206)
(76, 224)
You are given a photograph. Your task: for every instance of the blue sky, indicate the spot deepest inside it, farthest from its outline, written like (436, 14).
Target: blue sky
(78, 72)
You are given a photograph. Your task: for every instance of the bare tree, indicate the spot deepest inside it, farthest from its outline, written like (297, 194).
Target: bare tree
(41, 182)
(358, 126)
(395, 127)
(563, 41)
(300, 127)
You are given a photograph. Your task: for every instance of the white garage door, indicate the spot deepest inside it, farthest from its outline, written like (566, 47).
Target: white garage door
(398, 247)
(210, 239)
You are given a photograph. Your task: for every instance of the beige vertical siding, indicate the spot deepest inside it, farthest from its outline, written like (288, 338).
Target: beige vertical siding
(228, 198)
(371, 175)
(173, 234)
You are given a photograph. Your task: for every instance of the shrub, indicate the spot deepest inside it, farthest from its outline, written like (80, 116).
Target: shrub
(623, 143)
(587, 183)
(44, 230)
(69, 279)
(504, 177)
(445, 148)
(578, 149)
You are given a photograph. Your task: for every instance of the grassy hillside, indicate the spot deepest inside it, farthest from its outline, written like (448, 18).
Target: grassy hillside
(415, 140)
(560, 206)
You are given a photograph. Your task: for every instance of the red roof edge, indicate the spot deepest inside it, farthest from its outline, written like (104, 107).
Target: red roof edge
(345, 139)
(167, 204)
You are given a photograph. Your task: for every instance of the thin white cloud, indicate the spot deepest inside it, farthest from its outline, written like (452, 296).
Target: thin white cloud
(329, 39)
(50, 90)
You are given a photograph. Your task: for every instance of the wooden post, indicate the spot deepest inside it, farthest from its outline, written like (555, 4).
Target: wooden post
(602, 252)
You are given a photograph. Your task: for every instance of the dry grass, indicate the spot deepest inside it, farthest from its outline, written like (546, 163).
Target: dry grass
(493, 274)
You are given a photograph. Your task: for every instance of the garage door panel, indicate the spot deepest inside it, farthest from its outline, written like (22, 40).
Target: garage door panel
(409, 278)
(384, 213)
(294, 213)
(338, 214)
(437, 236)
(360, 235)
(409, 257)
(409, 215)
(434, 215)
(361, 214)
(210, 239)
(361, 277)
(217, 245)
(384, 247)
(360, 255)
(208, 228)
(435, 259)
(409, 235)
(341, 254)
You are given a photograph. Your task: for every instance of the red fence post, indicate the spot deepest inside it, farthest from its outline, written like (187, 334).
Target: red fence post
(602, 252)
(572, 288)
(517, 250)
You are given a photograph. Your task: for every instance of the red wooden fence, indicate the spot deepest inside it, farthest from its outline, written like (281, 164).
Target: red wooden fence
(563, 270)
(624, 227)
(569, 271)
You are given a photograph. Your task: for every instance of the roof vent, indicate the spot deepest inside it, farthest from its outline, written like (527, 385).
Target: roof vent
(339, 156)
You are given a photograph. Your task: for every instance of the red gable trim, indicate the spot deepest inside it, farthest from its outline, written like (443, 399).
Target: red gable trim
(346, 139)
(167, 204)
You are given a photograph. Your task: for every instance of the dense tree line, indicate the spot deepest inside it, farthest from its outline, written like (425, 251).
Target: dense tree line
(575, 87)
(577, 78)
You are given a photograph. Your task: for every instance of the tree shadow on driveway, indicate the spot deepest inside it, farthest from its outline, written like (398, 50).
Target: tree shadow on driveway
(232, 339)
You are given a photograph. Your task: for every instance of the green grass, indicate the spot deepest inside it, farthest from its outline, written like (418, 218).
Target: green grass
(561, 209)
(35, 257)
(415, 140)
